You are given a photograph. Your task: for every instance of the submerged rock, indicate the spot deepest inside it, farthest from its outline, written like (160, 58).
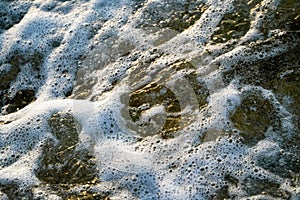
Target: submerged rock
(253, 117)
(62, 162)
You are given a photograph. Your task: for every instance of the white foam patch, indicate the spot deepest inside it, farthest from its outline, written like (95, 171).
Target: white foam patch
(101, 41)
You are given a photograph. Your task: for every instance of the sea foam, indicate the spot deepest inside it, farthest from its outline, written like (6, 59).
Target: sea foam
(148, 100)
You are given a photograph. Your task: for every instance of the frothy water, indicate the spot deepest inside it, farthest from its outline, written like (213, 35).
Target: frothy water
(134, 99)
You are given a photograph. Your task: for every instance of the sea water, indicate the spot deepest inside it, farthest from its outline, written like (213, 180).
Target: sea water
(137, 99)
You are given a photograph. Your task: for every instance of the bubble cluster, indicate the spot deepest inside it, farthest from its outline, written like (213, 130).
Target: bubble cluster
(149, 99)
(12, 13)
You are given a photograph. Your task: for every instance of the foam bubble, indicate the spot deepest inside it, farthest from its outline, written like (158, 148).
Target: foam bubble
(147, 100)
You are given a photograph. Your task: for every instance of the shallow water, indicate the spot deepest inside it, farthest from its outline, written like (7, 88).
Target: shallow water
(133, 99)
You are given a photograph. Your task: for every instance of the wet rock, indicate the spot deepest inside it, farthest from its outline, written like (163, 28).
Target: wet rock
(110, 50)
(8, 75)
(157, 92)
(286, 84)
(12, 191)
(253, 117)
(279, 74)
(88, 196)
(233, 25)
(11, 102)
(287, 16)
(12, 13)
(211, 135)
(285, 163)
(176, 15)
(222, 193)
(20, 100)
(260, 71)
(256, 187)
(62, 163)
